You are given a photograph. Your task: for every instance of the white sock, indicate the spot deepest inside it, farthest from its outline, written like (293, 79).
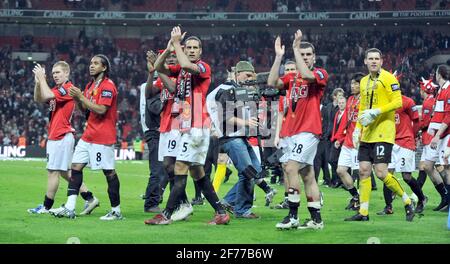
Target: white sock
(116, 209)
(71, 202)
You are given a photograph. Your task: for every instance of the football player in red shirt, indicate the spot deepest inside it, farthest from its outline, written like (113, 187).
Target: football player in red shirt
(303, 122)
(60, 133)
(403, 153)
(169, 135)
(348, 158)
(427, 91)
(96, 146)
(441, 139)
(289, 67)
(193, 80)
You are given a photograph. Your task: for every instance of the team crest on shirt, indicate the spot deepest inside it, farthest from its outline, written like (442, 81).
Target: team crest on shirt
(414, 108)
(395, 87)
(107, 94)
(62, 91)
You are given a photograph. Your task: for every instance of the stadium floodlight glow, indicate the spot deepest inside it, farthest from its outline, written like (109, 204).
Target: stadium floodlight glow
(342, 24)
(157, 24)
(395, 24)
(428, 23)
(124, 24)
(375, 24)
(267, 25)
(321, 24)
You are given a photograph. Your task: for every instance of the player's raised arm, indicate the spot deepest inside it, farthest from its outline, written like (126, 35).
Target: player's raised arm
(192, 51)
(274, 78)
(43, 92)
(160, 65)
(300, 57)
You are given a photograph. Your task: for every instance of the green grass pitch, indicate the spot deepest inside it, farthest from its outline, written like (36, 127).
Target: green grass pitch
(23, 183)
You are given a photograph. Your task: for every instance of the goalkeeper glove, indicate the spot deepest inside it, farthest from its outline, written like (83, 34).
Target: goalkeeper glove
(355, 137)
(368, 116)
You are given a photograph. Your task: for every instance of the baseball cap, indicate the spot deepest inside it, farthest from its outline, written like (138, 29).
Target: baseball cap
(244, 66)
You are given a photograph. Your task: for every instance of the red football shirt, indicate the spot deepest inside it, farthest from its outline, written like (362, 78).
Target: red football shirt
(441, 108)
(404, 119)
(61, 110)
(192, 90)
(303, 114)
(284, 102)
(168, 122)
(427, 110)
(101, 129)
(352, 110)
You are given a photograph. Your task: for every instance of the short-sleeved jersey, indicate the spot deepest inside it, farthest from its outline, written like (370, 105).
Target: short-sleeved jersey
(427, 110)
(303, 103)
(404, 119)
(101, 129)
(61, 110)
(382, 92)
(351, 109)
(191, 94)
(441, 109)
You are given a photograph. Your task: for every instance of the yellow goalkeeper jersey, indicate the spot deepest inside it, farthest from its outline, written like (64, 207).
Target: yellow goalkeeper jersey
(382, 92)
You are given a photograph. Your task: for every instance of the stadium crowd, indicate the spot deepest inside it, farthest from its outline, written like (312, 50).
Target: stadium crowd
(282, 6)
(341, 54)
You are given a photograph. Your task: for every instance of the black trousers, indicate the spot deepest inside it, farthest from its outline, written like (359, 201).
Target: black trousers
(321, 161)
(157, 174)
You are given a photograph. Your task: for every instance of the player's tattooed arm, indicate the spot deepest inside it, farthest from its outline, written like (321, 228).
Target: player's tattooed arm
(84, 103)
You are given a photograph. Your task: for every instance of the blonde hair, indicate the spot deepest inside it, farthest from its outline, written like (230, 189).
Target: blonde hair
(64, 65)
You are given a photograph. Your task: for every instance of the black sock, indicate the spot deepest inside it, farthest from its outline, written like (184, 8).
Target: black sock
(315, 214)
(198, 190)
(353, 191)
(264, 186)
(415, 188)
(75, 182)
(286, 195)
(87, 196)
(113, 190)
(178, 189)
(421, 178)
(441, 190)
(387, 193)
(48, 203)
(293, 205)
(210, 195)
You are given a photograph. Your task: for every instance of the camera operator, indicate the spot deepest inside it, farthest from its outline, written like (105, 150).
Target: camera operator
(232, 121)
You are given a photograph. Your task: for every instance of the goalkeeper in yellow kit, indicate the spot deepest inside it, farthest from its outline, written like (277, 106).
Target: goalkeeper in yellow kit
(375, 132)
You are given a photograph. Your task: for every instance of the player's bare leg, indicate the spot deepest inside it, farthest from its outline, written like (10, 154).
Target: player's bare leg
(313, 198)
(293, 182)
(198, 173)
(347, 181)
(438, 182)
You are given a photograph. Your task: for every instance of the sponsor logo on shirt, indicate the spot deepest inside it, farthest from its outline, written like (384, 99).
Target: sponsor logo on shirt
(414, 108)
(395, 87)
(201, 67)
(448, 101)
(62, 91)
(426, 111)
(107, 94)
